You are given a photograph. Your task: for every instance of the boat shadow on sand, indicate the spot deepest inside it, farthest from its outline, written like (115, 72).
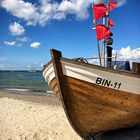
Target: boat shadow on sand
(132, 133)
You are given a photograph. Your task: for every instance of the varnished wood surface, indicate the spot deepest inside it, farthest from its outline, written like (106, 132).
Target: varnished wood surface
(59, 87)
(95, 109)
(136, 67)
(90, 108)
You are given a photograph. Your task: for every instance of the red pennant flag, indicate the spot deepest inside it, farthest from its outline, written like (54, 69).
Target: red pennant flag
(102, 31)
(110, 22)
(99, 11)
(112, 5)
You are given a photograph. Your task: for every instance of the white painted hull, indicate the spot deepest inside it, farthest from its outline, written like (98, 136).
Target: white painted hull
(113, 80)
(95, 99)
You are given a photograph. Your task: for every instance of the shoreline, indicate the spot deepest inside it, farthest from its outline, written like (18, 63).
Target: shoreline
(33, 117)
(37, 97)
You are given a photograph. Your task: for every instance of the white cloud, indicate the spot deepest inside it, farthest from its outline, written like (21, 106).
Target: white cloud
(124, 54)
(41, 65)
(5, 66)
(8, 43)
(23, 39)
(121, 2)
(77, 7)
(2, 66)
(128, 53)
(35, 45)
(21, 9)
(47, 10)
(19, 45)
(94, 61)
(16, 29)
(2, 62)
(3, 59)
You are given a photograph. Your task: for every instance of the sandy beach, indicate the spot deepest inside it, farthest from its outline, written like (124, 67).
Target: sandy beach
(31, 117)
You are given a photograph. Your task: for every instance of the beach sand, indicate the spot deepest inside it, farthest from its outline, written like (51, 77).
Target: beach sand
(31, 117)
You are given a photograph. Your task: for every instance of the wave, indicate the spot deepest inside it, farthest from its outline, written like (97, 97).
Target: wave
(17, 89)
(50, 91)
(29, 91)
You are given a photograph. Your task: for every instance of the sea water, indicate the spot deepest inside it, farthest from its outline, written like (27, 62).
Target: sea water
(24, 82)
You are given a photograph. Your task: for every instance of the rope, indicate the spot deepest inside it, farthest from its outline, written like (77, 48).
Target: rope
(81, 59)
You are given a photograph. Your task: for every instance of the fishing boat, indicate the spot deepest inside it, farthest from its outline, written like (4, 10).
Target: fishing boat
(96, 98)
(32, 68)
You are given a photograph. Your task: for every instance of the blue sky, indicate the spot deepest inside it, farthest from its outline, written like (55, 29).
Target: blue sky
(30, 28)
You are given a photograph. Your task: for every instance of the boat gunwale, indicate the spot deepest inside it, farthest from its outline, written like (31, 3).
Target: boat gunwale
(45, 66)
(57, 61)
(122, 72)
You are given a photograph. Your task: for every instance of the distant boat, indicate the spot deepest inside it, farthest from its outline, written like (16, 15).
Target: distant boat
(96, 99)
(32, 68)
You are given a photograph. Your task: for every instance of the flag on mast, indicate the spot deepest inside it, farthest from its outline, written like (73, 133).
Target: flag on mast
(112, 5)
(102, 32)
(100, 10)
(110, 22)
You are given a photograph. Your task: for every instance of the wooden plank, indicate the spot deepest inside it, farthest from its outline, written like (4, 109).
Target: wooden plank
(100, 109)
(56, 56)
(89, 107)
(136, 67)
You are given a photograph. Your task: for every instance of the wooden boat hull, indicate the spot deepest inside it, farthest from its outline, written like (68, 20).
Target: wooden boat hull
(92, 103)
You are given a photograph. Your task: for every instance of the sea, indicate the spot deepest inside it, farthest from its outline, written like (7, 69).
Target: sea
(24, 82)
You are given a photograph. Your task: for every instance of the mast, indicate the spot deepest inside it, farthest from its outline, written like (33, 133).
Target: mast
(107, 25)
(104, 45)
(99, 49)
(109, 49)
(108, 12)
(103, 33)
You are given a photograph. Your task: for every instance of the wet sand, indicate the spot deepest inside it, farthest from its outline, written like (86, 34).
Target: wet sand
(31, 117)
